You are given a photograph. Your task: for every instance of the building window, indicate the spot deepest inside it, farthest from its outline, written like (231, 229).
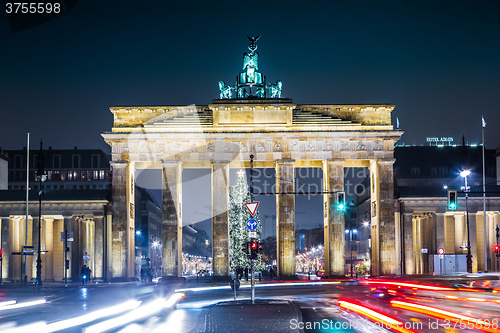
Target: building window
(17, 162)
(415, 171)
(56, 161)
(95, 174)
(95, 161)
(49, 175)
(56, 175)
(101, 174)
(434, 171)
(75, 161)
(70, 175)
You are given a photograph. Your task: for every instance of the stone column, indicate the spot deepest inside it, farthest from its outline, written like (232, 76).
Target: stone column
(220, 218)
(494, 223)
(99, 247)
(123, 233)
(408, 244)
(68, 224)
(58, 250)
(334, 244)
(417, 256)
(480, 225)
(473, 242)
(440, 234)
(14, 246)
(75, 256)
(491, 218)
(459, 233)
(285, 213)
(449, 234)
(4, 243)
(49, 246)
(383, 224)
(172, 219)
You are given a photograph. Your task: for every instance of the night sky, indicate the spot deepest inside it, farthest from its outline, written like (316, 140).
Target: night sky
(437, 61)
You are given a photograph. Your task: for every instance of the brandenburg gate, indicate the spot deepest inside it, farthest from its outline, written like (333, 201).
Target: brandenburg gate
(251, 118)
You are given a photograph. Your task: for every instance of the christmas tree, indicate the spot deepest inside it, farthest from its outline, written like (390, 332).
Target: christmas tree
(238, 231)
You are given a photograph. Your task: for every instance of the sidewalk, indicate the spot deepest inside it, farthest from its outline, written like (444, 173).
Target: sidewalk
(240, 316)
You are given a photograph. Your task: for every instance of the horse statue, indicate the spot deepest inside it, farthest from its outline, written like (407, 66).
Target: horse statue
(275, 89)
(226, 92)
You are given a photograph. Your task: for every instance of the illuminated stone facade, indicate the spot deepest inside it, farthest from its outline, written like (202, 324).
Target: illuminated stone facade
(280, 135)
(87, 214)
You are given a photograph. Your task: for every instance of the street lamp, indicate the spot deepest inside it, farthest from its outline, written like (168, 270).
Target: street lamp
(40, 176)
(466, 189)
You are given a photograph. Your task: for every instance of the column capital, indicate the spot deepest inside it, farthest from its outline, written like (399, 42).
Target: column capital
(386, 161)
(285, 160)
(220, 162)
(118, 164)
(335, 160)
(170, 163)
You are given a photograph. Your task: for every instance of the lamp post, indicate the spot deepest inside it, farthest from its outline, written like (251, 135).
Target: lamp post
(466, 189)
(40, 177)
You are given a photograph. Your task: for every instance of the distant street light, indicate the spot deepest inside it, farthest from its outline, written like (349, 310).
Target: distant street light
(466, 189)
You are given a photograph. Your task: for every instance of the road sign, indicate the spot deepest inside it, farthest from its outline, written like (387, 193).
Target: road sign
(252, 234)
(440, 251)
(70, 236)
(252, 224)
(424, 250)
(252, 207)
(441, 256)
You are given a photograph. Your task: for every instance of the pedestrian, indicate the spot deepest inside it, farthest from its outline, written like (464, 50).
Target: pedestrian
(271, 273)
(246, 273)
(88, 273)
(82, 273)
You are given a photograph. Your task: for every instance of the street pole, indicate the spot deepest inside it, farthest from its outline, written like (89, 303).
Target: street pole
(40, 177)
(469, 255)
(65, 254)
(27, 200)
(350, 247)
(252, 279)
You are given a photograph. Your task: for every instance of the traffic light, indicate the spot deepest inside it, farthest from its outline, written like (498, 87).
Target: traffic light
(452, 200)
(67, 264)
(341, 201)
(497, 250)
(1, 254)
(254, 250)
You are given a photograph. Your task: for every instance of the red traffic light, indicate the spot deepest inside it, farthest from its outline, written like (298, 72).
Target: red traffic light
(254, 245)
(497, 248)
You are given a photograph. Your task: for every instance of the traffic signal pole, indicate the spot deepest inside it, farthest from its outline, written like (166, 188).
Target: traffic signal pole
(252, 260)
